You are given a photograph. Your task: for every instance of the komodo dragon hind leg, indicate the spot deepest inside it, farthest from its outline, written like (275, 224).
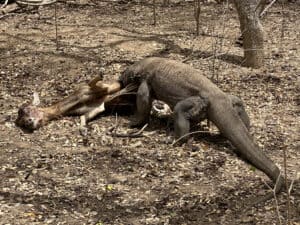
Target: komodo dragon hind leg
(238, 106)
(191, 109)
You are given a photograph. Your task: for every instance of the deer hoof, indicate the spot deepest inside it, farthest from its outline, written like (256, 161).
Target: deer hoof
(83, 131)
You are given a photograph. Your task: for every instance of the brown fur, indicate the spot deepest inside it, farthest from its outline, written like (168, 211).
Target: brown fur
(83, 101)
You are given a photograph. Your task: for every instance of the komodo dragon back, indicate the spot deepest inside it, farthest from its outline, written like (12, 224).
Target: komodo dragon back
(165, 70)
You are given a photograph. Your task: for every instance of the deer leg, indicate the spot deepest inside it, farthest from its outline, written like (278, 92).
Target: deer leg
(63, 107)
(95, 110)
(105, 88)
(94, 81)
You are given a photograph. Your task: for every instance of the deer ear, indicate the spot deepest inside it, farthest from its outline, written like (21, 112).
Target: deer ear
(36, 99)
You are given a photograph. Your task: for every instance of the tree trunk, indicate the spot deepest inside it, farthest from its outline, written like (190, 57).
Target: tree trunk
(252, 32)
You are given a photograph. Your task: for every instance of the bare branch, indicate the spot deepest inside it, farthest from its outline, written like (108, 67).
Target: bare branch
(191, 133)
(266, 8)
(4, 5)
(131, 135)
(36, 3)
(275, 197)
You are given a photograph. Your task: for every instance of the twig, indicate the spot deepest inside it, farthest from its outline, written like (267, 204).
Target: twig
(291, 186)
(282, 26)
(4, 5)
(78, 4)
(5, 15)
(287, 188)
(116, 126)
(115, 129)
(56, 28)
(191, 133)
(131, 135)
(275, 197)
(259, 4)
(266, 8)
(154, 12)
(11, 10)
(197, 11)
(215, 56)
(40, 3)
(288, 207)
(221, 42)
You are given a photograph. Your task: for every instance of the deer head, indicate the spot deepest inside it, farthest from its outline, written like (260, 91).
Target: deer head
(30, 116)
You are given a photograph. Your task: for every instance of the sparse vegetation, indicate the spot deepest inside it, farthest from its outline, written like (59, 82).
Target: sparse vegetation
(55, 176)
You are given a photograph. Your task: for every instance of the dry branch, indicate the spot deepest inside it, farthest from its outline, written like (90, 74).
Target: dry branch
(131, 135)
(4, 4)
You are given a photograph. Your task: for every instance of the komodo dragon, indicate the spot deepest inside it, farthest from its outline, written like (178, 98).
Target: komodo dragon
(193, 96)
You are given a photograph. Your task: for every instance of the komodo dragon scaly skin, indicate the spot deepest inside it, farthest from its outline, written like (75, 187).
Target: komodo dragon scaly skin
(192, 95)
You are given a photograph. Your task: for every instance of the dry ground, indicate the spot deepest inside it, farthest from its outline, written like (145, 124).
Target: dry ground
(54, 176)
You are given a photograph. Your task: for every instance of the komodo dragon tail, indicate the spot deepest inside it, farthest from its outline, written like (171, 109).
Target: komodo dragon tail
(231, 126)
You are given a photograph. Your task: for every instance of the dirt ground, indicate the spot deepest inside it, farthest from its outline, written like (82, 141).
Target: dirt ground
(55, 176)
